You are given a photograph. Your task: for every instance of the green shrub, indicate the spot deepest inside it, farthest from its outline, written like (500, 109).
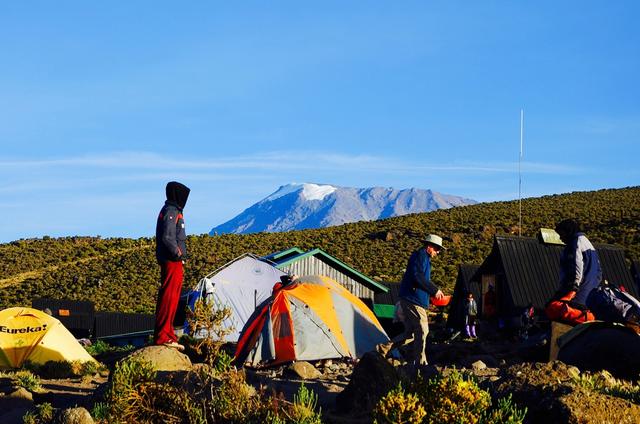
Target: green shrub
(232, 399)
(43, 414)
(100, 411)
(399, 407)
(609, 386)
(30, 417)
(100, 347)
(135, 396)
(27, 380)
(454, 398)
(223, 362)
(303, 409)
(127, 375)
(45, 411)
(56, 369)
(505, 413)
(209, 320)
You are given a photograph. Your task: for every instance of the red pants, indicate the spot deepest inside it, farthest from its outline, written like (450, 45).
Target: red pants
(168, 296)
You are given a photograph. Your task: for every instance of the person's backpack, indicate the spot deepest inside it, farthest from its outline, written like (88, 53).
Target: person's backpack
(563, 309)
(609, 303)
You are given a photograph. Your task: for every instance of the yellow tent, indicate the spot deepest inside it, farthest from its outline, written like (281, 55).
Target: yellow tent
(30, 334)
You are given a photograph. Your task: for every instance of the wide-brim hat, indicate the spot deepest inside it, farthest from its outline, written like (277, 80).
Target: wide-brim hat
(434, 240)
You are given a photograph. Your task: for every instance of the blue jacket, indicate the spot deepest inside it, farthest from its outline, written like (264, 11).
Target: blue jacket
(580, 268)
(416, 285)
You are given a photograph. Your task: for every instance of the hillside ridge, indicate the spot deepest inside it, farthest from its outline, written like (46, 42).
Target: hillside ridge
(123, 276)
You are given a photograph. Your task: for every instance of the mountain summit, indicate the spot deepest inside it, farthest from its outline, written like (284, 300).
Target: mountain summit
(308, 205)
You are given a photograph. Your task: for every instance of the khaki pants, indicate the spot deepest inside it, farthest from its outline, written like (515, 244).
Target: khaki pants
(416, 324)
(416, 329)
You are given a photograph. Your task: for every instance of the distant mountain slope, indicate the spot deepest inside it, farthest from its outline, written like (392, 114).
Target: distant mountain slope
(304, 206)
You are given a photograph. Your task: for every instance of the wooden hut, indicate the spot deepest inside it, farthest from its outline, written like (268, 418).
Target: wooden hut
(525, 270)
(319, 262)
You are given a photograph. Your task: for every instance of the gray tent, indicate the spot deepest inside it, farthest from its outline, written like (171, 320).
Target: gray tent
(241, 285)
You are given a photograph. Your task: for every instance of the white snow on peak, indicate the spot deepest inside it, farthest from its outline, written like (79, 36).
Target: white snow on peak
(316, 192)
(309, 191)
(283, 191)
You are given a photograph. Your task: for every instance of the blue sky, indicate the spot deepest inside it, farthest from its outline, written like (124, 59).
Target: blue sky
(102, 104)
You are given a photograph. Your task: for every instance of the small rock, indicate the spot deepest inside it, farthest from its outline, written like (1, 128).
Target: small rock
(333, 388)
(19, 394)
(488, 360)
(74, 416)
(478, 366)
(305, 370)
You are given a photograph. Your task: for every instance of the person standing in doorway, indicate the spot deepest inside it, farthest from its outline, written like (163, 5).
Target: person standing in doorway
(471, 312)
(171, 253)
(415, 289)
(489, 310)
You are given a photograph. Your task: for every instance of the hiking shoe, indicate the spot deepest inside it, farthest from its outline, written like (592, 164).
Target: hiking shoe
(384, 348)
(174, 345)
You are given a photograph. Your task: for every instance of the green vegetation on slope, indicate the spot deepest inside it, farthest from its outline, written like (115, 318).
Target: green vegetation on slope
(122, 274)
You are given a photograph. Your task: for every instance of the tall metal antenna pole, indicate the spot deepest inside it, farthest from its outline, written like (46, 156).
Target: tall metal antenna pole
(520, 173)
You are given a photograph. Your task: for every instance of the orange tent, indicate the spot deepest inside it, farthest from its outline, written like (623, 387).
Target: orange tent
(313, 318)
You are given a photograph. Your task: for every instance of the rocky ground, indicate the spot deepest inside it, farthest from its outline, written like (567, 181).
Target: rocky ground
(347, 389)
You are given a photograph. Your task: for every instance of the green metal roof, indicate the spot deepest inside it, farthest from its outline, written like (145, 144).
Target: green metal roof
(275, 257)
(325, 257)
(383, 311)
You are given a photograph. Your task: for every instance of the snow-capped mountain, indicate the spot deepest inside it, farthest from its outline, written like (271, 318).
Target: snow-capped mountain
(307, 205)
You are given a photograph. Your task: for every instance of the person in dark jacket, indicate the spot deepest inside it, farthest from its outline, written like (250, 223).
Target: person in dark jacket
(415, 289)
(171, 252)
(580, 273)
(580, 269)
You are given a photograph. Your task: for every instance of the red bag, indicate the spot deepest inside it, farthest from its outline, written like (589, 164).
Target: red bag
(566, 311)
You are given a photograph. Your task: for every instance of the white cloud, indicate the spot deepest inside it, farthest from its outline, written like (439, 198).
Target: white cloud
(277, 161)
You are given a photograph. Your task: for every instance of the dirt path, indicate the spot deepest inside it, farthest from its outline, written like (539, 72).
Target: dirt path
(19, 278)
(60, 393)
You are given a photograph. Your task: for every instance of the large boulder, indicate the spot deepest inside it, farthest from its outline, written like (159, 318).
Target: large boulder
(304, 370)
(614, 348)
(372, 378)
(550, 393)
(164, 358)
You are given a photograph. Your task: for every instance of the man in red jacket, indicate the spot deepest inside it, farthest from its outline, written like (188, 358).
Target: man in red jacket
(171, 252)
